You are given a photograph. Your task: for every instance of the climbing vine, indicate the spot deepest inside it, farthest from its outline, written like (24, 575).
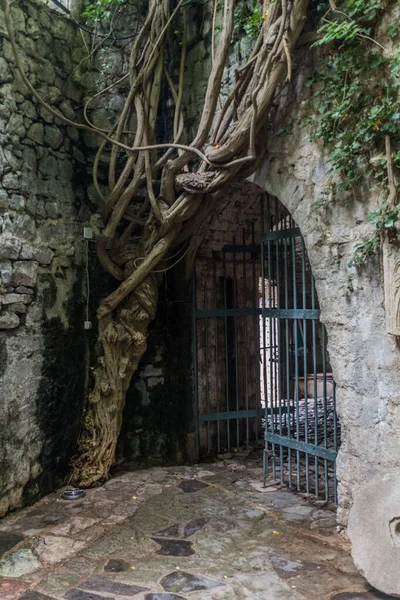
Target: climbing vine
(159, 192)
(100, 10)
(248, 18)
(357, 100)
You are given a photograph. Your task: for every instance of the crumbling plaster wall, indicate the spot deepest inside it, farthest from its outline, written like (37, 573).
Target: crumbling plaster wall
(42, 213)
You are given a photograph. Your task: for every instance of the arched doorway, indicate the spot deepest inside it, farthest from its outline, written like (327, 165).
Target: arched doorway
(262, 372)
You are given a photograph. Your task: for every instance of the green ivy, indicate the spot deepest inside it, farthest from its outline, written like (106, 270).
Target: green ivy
(357, 102)
(248, 18)
(385, 218)
(100, 10)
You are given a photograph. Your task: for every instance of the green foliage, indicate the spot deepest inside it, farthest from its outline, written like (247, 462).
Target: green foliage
(385, 217)
(100, 10)
(248, 18)
(365, 251)
(357, 101)
(345, 31)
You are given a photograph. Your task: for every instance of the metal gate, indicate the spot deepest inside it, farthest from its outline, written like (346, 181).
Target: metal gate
(262, 371)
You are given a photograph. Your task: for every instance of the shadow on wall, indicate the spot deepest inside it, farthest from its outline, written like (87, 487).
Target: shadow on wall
(59, 402)
(158, 422)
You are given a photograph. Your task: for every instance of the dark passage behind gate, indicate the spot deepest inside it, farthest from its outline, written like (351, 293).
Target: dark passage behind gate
(261, 364)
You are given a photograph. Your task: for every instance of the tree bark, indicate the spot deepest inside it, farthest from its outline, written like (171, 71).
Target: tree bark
(123, 336)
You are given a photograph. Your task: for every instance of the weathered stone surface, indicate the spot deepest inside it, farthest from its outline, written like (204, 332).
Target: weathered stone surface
(23, 290)
(43, 255)
(361, 596)
(374, 530)
(53, 549)
(5, 73)
(252, 561)
(10, 588)
(172, 531)
(25, 273)
(8, 320)
(4, 200)
(58, 583)
(48, 166)
(38, 186)
(286, 568)
(9, 540)
(24, 227)
(187, 582)
(116, 565)
(174, 547)
(5, 272)
(15, 298)
(36, 133)
(192, 486)
(99, 583)
(53, 137)
(163, 597)
(33, 595)
(76, 594)
(19, 563)
(9, 247)
(18, 308)
(17, 202)
(391, 274)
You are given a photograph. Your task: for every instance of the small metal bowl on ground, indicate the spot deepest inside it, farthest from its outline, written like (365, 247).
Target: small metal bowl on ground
(73, 494)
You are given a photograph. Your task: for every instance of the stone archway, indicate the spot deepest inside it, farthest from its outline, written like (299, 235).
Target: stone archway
(260, 361)
(364, 358)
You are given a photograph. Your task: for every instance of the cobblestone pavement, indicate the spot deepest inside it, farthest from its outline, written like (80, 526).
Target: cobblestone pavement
(207, 532)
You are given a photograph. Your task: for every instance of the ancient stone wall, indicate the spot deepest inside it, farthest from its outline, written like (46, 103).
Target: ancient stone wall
(42, 256)
(365, 359)
(46, 198)
(43, 208)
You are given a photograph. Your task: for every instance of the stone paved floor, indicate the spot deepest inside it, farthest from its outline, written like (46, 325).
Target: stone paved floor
(205, 532)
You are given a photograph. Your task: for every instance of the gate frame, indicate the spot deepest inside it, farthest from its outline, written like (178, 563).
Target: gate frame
(278, 233)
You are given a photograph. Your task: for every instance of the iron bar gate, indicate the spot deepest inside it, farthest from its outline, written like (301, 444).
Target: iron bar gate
(262, 371)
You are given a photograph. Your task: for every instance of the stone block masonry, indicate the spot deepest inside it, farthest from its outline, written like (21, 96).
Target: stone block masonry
(365, 359)
(42, 213)
(46, 198)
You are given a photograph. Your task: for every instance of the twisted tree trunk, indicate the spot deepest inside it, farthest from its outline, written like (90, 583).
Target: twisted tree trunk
(122, 335)
(185, 199)
(123, 338)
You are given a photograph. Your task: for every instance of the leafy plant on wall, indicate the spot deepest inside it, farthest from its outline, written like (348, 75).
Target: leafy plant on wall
(357, 101)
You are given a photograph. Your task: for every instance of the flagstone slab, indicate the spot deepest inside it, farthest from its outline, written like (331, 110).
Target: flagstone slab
(163, 597)
(10, 588)
(53, 549)
(193, 526)
(180, 581)
(33, 595)
(116, 565)
(77, 594)
(174, 547)
(100, 583)
(8, 540)
(190, 486)
(172, 531)
(19, 563)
